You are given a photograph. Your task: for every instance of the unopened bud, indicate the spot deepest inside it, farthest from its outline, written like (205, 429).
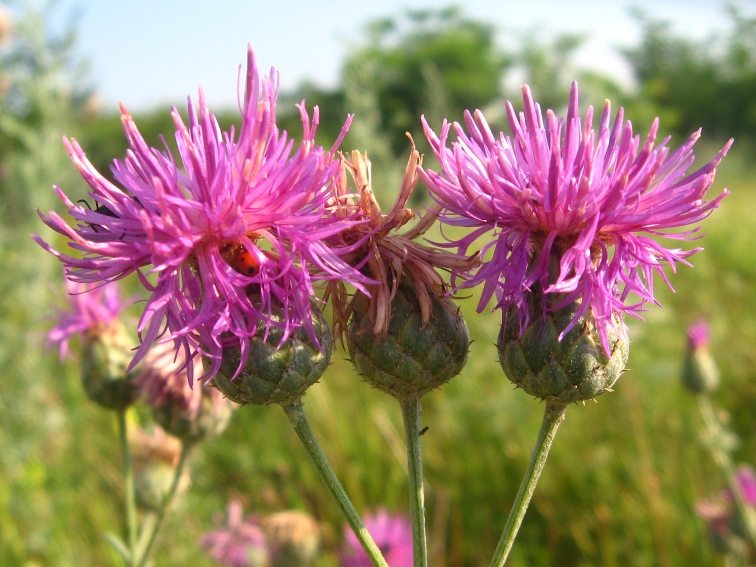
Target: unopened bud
(572, 369)
(276, 373)
(191, 413)
(412, 358)
(700, 374)
(106, 355)
(293, 538)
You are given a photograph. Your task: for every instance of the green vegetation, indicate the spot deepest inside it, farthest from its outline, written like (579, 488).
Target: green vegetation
(625, 473)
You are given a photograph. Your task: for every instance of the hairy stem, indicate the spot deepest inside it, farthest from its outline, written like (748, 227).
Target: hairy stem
(552, 418)
(298, 419)
(411, 412)
(165, 505)
(721, 456)
(128, 480)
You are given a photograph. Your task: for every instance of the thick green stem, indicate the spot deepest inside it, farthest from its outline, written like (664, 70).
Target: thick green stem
(721, 455)
(295, 413)
(411, 412)
(165, 505)
(128, 479)
(552, 418)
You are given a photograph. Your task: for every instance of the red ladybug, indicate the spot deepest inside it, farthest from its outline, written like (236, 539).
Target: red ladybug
(245, 263)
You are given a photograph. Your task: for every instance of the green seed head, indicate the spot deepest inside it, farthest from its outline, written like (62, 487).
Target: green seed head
(411, 359)
(571, 370)
(106, 355)
(207, 420)
(276, 373)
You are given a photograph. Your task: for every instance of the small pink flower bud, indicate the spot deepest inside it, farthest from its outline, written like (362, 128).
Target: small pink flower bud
(700, 374)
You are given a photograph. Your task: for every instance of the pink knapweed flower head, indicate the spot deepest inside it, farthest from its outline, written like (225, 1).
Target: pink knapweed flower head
(93, 308)
(698, 336)
(392, 534)
(239, 215)
(241, 543)
(594, 200)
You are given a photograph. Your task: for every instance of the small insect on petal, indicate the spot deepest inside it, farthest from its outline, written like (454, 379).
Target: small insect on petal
(245, 263)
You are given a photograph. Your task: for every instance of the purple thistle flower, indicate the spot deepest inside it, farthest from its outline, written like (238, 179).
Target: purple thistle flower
(391, 533)
(592, 199)
(93, 308)
(240, 544)
(239, 213)
(698, 336)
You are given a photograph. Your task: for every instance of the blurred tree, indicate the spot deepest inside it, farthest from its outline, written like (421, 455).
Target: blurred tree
(710, 83)
(547, 67)
(432, 62)
(44, 94)
(435, 63)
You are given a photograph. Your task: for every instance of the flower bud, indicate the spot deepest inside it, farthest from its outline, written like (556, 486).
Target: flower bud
(191, 413)
(700, 374)
(276, 372)
(293, 538)
(574, 369)
(105, 357)
(412, 358)
(156, 456)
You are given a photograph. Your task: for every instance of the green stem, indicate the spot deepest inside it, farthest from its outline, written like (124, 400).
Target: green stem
(162, 511)
(411, 412)
(552, 418)
(298, 419)
(128, 479)
(721, 456)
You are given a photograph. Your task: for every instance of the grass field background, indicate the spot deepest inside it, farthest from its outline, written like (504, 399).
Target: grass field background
(619, 488)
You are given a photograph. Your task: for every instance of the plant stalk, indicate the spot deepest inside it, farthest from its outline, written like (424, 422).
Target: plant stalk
(298, 419)
(411, 412)
(128, 480)
(721, 456)
(161, 513)
(552, 419)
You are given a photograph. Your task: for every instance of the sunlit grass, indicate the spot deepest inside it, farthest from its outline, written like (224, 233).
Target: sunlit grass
(619, 487)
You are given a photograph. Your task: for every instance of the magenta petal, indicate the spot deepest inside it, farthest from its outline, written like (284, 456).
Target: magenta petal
(601, 195)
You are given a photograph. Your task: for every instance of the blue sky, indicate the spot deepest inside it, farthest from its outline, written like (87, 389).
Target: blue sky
(150, 52)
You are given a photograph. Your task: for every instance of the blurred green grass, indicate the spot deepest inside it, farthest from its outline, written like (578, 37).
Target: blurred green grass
(619, 488)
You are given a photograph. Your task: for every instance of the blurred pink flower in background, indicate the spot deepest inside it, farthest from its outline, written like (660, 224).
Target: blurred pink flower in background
(93, 307)
(392, 534)
(240, 543)
(698, 335)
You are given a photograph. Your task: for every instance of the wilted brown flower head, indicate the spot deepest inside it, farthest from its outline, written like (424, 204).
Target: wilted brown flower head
(381, 252)
(293, 538)
(153, 447)
(156, 456)
(189, 412)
